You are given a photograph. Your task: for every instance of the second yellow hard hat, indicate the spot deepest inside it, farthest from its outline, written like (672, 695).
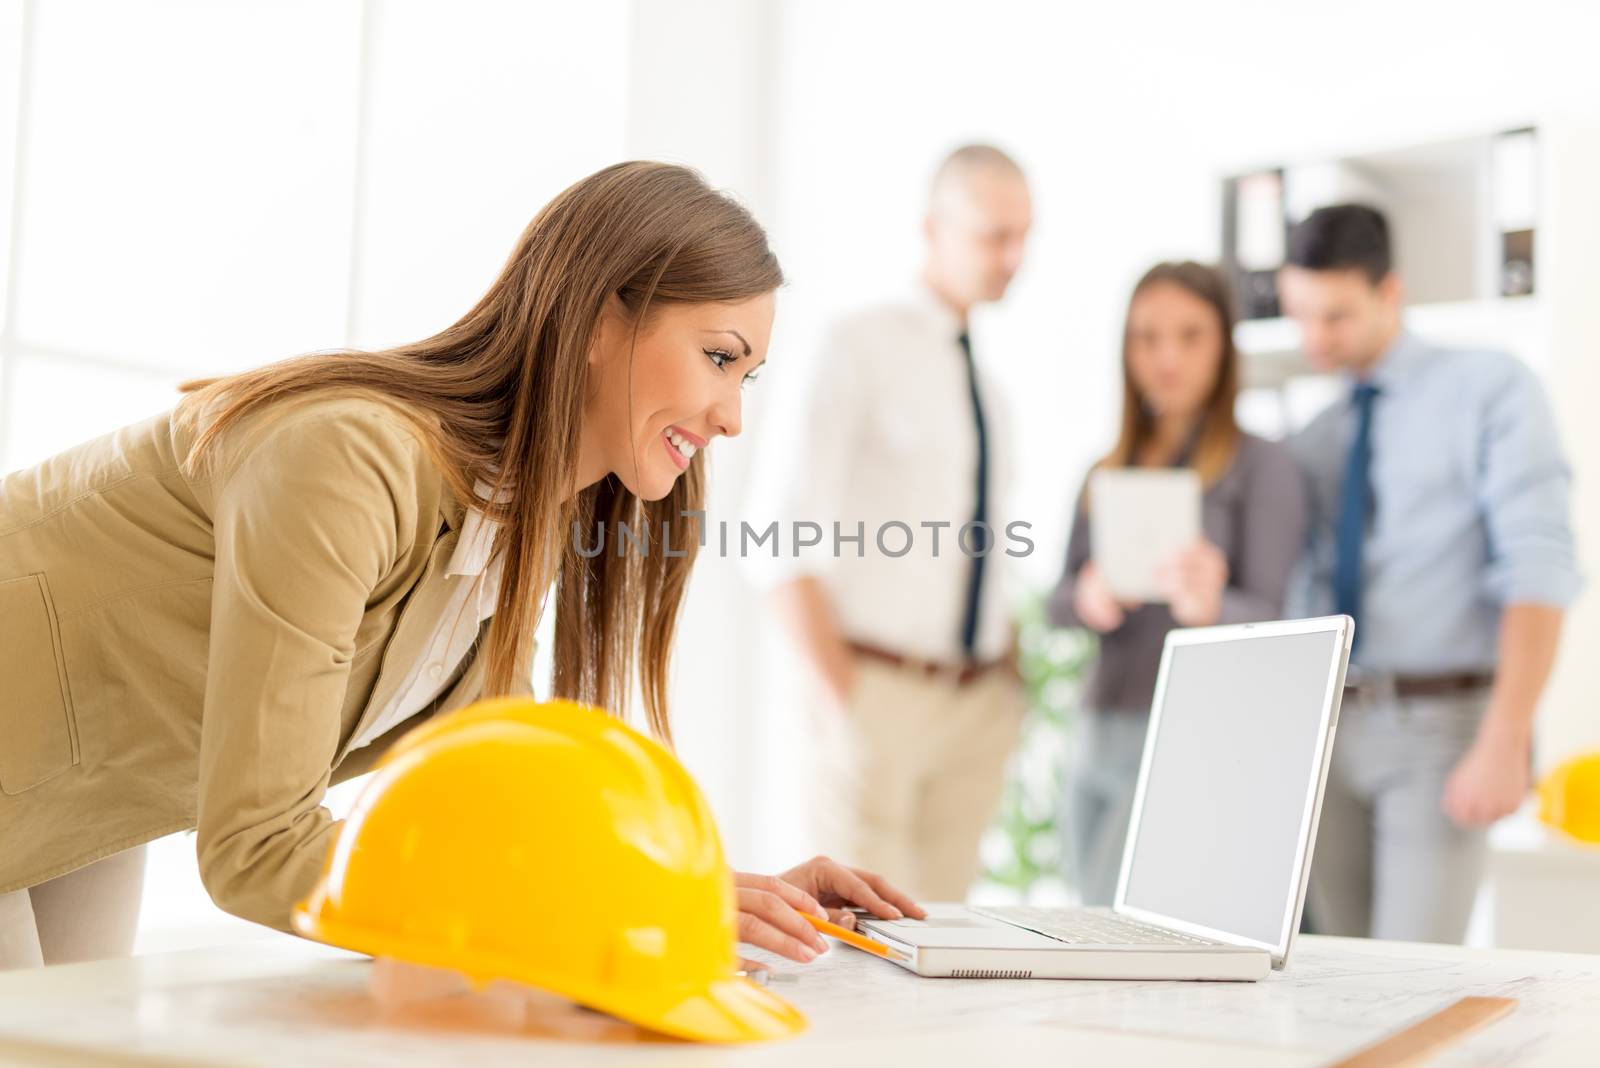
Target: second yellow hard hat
(1569, 798)
(552, 845)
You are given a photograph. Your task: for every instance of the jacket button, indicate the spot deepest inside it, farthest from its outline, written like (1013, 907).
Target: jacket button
(435, 670)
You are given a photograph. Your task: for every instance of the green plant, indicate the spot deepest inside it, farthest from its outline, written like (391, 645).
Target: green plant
(1022, 849)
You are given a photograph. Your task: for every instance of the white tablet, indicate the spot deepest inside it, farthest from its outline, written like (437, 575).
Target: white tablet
(1139, 518)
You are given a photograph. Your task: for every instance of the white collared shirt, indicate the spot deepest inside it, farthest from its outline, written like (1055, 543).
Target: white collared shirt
(474, 591)
(879, 430)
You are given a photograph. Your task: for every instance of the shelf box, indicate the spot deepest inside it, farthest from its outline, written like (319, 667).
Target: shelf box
(1463, 215)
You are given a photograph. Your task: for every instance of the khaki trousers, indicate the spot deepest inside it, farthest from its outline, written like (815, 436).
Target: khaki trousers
(88, 914)
(911, 771)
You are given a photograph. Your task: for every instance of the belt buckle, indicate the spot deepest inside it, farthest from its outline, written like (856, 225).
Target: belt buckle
(1372, 688)
(948, 672)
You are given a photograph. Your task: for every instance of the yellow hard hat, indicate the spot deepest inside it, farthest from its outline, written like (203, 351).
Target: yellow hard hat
(552, 845)
(1569, 798)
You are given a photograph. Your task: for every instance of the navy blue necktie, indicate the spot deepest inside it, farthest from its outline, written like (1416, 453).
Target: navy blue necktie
(1355, 507)
(980, 542)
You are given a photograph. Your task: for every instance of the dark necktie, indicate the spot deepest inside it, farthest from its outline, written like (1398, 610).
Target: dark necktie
(980, 515)
(1355, 507)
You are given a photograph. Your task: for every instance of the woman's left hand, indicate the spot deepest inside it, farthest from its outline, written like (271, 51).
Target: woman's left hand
(770, 905)
(838, 889)
(1193, 582)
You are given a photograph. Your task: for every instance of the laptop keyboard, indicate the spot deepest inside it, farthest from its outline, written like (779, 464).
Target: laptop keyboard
(1081, 927)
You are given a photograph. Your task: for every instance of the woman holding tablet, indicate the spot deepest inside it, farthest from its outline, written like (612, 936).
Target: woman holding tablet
(1180, 381)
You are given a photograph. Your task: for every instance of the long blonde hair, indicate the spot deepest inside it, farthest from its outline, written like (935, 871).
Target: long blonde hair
(499, 397)
(1217, 438)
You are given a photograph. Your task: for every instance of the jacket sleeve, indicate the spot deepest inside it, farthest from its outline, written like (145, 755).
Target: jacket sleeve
(469, 689)
(1272, 537)
(306, 526)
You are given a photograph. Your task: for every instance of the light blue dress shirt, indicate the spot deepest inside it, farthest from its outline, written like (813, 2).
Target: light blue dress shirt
(1470, 491)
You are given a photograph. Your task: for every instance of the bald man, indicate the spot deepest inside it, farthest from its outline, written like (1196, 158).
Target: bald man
(898, 455)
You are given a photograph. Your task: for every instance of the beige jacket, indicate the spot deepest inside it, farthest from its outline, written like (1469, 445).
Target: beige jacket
(198, 653)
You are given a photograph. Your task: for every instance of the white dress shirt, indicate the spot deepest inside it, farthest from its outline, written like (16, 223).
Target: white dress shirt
(880, 429)
(475, 589)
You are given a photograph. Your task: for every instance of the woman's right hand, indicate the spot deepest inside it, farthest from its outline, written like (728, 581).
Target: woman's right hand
(769, 917)
(1094, 602)
(770, 906)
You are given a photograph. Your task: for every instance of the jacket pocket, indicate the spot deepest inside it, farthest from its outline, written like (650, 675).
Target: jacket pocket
(38, 732)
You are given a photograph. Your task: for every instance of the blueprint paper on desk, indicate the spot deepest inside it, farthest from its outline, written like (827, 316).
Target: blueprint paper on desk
(272, 1004)
(1337, 995)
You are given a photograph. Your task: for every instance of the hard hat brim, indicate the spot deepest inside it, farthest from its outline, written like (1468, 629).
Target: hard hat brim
(727, 1010)
(732, 1010)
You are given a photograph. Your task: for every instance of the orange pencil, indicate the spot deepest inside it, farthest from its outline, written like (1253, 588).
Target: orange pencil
(852, 938)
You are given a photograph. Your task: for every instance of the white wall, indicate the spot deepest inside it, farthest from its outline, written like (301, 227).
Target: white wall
(1570, 718)
(201, 186)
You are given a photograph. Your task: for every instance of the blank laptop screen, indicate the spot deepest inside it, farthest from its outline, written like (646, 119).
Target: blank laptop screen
(1228, 786)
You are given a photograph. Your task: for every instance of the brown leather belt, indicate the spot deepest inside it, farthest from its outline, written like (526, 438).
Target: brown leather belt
(1421, 685)
(960, 674)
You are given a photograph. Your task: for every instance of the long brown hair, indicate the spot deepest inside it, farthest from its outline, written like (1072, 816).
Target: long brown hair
(1217, 437)
(499, 397)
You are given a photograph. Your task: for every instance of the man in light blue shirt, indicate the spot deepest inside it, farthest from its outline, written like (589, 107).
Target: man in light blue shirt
(1440, 522)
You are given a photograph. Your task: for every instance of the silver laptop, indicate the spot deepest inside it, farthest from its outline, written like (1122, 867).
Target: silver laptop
(1219, 845)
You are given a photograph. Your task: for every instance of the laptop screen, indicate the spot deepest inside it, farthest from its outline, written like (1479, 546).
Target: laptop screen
(1229, 783)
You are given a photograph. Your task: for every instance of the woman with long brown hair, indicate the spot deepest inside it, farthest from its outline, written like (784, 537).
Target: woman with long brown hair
(212, 615)
(1180, 374)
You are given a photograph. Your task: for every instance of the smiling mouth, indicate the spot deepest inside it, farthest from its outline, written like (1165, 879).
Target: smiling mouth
(684, 446)
(680, 448)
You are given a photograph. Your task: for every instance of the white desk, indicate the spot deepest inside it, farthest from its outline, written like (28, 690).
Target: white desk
(289, 1002)
(1545, 886)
